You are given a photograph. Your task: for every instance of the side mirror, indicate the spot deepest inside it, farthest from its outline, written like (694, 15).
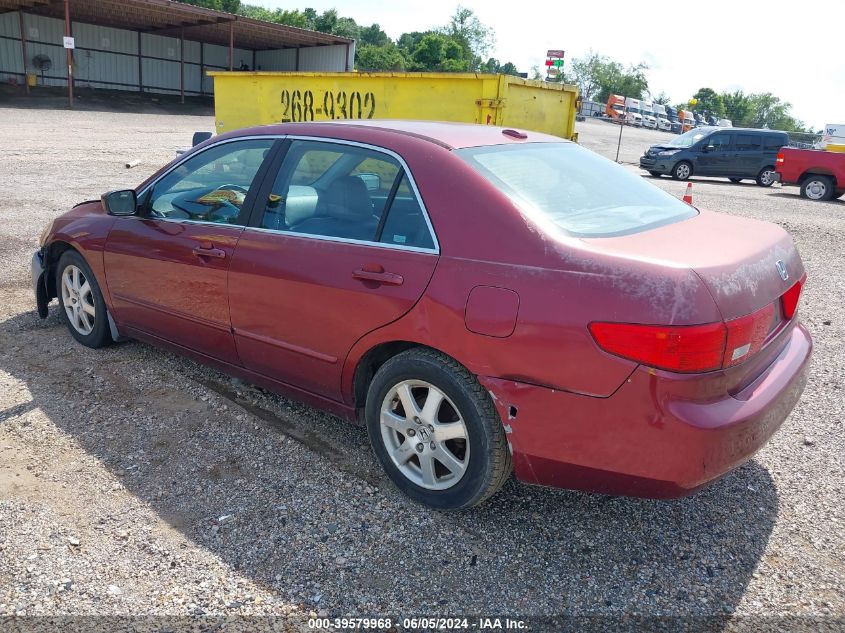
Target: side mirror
(124, 202)
(708, 148)
(371, 181)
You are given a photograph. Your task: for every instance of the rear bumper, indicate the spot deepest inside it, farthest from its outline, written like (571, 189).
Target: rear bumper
(39, 283)
(658, 436)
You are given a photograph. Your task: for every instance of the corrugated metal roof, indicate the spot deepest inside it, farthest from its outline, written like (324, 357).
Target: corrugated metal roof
(167, 17)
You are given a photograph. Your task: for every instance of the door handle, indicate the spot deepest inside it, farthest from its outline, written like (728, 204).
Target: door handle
(202, 251)
(379, 275)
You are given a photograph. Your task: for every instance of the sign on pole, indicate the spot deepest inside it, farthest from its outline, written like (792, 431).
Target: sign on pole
(69, 42)
(556, 54)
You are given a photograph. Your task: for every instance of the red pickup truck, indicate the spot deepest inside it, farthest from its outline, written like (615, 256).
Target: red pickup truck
(820, 174)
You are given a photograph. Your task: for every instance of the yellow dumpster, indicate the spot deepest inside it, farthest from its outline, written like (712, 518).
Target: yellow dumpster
(244, 99)
(31, 80)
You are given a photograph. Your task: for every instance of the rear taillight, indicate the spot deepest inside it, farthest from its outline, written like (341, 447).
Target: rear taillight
(746, 335)
(695, 348)
(779, 159)
(789, 300)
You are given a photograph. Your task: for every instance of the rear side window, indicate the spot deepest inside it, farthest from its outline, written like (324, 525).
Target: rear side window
(774, 142)
(748, 142)
(566, 187)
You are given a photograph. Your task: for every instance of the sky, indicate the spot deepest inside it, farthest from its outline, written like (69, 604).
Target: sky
(793, 52)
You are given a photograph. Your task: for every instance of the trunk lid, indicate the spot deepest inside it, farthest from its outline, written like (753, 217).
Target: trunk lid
(742, 262)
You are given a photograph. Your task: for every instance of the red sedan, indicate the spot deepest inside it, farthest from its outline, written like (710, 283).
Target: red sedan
(483, 299)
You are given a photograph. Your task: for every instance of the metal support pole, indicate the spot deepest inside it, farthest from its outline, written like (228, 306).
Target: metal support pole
(140, 66)
(182, 64)
(23, 52)
(231, 46)
(68, 33)
(202, 68)
(621, 123)
(296, 67)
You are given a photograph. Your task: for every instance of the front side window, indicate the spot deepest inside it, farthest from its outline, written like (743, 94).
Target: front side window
(346, 192)
(720, 142)
(575, 190)
(210, 186)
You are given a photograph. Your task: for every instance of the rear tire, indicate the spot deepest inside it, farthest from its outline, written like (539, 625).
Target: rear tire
(81, 302)
(818, 188)
(449, 455)
(682, 171)
(766, 177)
(656, 174)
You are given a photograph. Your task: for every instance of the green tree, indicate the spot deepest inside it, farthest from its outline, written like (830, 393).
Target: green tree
(662, 98)
(475, 38)
(278, 16)
(598, 77)
(737, 107)
(380, 58)
(709, 101)
(437, 52)
(373, 36)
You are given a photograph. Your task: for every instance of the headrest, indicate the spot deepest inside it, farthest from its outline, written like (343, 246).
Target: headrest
(347, 198)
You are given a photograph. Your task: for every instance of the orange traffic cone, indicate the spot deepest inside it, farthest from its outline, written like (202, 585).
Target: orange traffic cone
(688, 194)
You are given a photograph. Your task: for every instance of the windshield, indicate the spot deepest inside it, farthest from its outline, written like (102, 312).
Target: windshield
(618, 107)
(688, 139)
(566, 187)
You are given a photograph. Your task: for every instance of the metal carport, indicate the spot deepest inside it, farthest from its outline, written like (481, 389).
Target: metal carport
(153, 45)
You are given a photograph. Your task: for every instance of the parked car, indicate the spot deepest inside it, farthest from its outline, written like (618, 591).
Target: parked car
(479, 298)
(734, 153)
(819, 174)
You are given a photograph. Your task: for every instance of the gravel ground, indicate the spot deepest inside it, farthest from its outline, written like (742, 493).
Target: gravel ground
(136, 482)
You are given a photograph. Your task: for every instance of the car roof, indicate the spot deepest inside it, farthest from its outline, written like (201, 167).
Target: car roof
(446, 134)
(752, 130)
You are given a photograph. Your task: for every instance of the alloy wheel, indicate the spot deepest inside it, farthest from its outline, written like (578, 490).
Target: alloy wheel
(78, 300)
(424, 435)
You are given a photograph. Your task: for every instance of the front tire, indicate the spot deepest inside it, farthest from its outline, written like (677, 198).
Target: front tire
(436, 431)
(655, 174)
(766, 177)
(81, 302)
(682, 171)
(735, 181)
(817, 188)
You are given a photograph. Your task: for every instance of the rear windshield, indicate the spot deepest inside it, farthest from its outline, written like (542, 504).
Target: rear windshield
(577, 190)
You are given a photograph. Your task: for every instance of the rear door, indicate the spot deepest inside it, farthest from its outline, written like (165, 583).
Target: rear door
(167, 268)
(340, 244)
(772, 143)
(749, 154)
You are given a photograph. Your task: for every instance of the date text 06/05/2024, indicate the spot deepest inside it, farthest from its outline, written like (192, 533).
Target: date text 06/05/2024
(422, 623)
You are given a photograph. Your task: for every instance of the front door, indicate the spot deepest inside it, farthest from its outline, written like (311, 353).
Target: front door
(343, 247)
(167, 267)
(715, 155)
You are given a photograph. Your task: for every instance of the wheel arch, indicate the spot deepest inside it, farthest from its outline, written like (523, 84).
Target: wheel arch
(817, 171)
(53, 252)
(376, 356)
